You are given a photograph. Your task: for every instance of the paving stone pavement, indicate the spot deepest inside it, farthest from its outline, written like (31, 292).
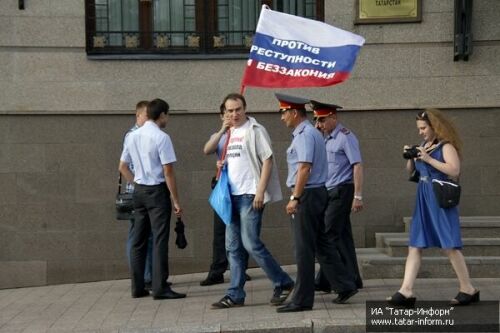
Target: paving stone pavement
(106, 307)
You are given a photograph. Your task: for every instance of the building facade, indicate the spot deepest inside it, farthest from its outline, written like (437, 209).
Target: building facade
(66, 103)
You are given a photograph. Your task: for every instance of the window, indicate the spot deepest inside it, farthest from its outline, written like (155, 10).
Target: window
(181, 26)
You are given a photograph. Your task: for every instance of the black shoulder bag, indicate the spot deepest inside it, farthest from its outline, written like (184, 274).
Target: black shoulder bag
(124, 203)
(447, 192)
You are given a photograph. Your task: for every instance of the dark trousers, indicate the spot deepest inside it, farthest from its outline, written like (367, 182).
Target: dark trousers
(152, 214)
(219, 256)
(338, 226)
(311, 240)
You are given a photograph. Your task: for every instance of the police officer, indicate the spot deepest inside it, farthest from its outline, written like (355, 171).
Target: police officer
(344, 184)
(152, 154)
(307, 174)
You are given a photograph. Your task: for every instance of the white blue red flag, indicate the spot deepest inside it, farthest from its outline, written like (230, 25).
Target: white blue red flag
(290, 51)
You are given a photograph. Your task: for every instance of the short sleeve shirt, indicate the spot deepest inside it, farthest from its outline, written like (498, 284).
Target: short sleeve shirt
(130, 186)
(220, 144)
(149, 149)
(307, 146)
(342, 149)
(240, 174)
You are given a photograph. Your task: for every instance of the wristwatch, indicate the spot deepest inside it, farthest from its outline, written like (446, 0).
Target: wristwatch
(358, 197)
(292, 198)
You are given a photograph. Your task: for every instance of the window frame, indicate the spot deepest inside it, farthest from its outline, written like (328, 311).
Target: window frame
(205, 27)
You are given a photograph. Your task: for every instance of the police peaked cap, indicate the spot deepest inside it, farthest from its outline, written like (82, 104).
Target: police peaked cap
(288, 102)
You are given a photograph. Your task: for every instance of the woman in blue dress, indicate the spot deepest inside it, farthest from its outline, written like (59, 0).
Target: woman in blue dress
(432, 226)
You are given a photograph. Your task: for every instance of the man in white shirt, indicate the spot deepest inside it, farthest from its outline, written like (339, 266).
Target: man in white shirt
(215, 145)
(254, 182)
(152, 154)
(140, 118)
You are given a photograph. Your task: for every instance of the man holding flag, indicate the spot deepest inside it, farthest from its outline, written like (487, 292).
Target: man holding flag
(291, 52)
(254, 182)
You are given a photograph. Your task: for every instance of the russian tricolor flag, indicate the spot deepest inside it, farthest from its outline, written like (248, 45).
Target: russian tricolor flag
(290, 51)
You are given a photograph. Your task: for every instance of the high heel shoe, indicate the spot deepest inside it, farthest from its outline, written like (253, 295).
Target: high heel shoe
(399, 299)
(465, 299)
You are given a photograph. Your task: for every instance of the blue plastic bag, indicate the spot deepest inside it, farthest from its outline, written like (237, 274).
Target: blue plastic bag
(220, 198)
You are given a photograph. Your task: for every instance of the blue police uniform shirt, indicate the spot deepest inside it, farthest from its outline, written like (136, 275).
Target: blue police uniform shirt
(130, 186)
(342, 149)
(149, 149)
(220, 145)
(308, 146)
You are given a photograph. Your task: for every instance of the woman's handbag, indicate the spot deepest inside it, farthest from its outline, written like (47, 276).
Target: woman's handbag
(415, 176)
(220, 198)
(447, 192)
(124, 203)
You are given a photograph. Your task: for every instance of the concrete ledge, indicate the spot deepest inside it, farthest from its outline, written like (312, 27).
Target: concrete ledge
(381, 236)
(194, 111)
(15, 274)
(468, 222)
(473, 247)
(342, 325)
(380, 265)
(384, 259)
(172, 329)
(403, 241)
(275, 326)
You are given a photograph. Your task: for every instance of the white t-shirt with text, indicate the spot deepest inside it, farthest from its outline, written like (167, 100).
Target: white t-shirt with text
(241, 179)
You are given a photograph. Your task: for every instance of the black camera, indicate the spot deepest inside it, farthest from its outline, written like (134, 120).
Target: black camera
(411, 152)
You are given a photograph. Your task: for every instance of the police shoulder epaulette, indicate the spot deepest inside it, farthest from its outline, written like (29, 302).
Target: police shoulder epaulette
(345, 130)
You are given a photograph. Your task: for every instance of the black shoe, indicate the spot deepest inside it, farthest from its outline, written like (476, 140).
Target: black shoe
(465, 299)
(324, 289)
(399, 299)
(359, 283)
(169, 295)
(149, 285)
(140, 294)
(280, 294)
(343, 296)
(210, 281)
(248, 277)
(291, 307)
(225, 303)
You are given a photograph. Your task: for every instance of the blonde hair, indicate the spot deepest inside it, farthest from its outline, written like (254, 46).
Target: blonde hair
(443, 127)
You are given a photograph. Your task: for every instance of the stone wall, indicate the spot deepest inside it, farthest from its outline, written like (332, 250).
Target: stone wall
(62, 119)
(401, 66)
(58, 176)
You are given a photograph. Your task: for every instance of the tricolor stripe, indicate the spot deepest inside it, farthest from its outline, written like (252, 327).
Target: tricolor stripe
(290, 51)
(301, 77)
(340, 55)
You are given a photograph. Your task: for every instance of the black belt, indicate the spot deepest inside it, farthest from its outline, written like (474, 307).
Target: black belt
(308, 186)
(340, 185)
(157, 185)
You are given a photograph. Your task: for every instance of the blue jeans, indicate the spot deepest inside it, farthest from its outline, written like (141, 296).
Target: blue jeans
(244, 233)
(149, 257)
